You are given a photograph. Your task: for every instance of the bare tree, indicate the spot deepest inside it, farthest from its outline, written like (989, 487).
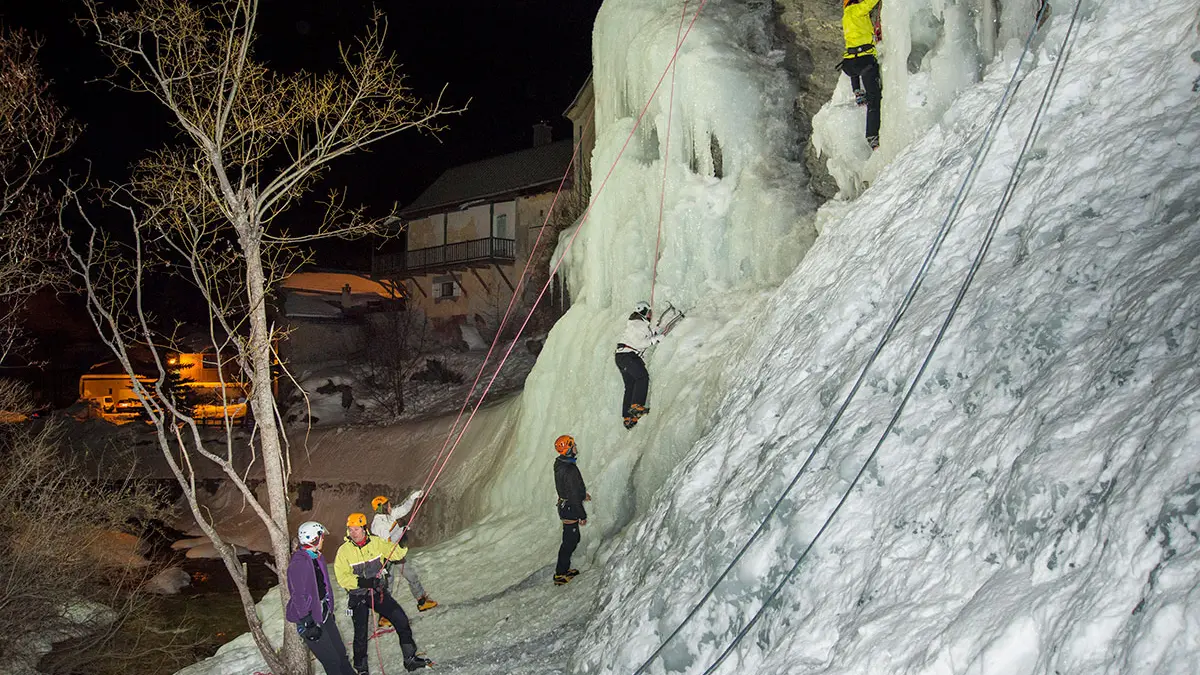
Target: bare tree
(33, 130)
(52, 508)
(396, 341)
(253, 142)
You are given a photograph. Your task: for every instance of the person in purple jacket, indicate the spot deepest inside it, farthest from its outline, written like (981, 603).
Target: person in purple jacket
(311, 604)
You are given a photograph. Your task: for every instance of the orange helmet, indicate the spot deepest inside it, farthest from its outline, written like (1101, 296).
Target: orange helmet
(357, 520)
(378, 503)
(564, 444)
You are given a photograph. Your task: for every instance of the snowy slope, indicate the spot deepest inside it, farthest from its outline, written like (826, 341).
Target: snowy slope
(1035, 508)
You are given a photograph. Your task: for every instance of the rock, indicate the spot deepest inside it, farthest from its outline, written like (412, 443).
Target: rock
(169, 581)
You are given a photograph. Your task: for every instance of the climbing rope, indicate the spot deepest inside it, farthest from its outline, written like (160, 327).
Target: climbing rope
(503, 321)
(375, 634)
(977, 262)
(662, 198)
(570, 243)
(997, 116)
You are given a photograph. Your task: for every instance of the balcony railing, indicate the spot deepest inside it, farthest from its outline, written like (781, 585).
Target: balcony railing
(461, 254)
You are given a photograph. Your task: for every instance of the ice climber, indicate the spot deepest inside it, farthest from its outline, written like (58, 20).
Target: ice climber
(386, 525)
(859, 61)
(359, 570)
(310, 606)
(572, 493)
(639, 335)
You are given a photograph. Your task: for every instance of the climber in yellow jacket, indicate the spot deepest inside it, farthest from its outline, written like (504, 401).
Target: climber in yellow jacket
(359, 570)
(859, 61)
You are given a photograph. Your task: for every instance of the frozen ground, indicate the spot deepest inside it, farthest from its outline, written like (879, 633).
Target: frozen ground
(326, 406)
(1034, 510)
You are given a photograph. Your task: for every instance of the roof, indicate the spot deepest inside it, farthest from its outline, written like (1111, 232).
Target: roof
(511, 174)
(580, 96)
(332, 282)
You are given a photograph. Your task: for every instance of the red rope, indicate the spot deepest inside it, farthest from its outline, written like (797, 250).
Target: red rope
(662, 198)
(375, 633)
(554, 270)
(503, 322)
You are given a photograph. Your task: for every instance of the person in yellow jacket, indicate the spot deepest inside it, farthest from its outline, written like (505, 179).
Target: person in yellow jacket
(359, 570)
(859, 61)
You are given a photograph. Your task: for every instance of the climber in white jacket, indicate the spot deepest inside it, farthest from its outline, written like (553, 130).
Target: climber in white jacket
(386, 525)
(639, 335)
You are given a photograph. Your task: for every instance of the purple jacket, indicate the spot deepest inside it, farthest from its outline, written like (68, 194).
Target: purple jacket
(302, 584)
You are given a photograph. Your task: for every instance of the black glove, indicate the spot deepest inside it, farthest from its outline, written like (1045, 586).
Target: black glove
(373, 583)
(308, 629)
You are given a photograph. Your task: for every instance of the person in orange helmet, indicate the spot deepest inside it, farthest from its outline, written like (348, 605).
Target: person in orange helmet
(572, 493)
(386, 525)
(359, 570)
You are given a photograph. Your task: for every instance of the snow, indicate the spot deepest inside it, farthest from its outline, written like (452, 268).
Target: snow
(1034, 510)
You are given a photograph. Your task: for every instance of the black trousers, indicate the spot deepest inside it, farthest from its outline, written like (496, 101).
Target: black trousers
(864, 74)
(330, 651)
(385, 606)
(637, 380)
(569, 542)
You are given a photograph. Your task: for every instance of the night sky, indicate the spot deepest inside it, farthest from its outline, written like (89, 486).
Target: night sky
(519, 61)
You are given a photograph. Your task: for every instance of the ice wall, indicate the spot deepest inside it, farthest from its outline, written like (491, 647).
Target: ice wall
(1034, 510)
(931, 51)
(737, 210)
(737, 219)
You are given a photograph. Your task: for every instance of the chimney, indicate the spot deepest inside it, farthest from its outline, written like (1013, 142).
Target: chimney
(541, 134)
(346, 296)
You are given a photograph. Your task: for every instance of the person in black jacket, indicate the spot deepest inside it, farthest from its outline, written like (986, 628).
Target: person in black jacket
(572, 493)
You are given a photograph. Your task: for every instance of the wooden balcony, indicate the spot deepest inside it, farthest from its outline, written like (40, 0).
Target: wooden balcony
(435, 259)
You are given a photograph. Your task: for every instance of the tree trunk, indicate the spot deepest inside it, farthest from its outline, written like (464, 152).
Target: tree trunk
(293, 655)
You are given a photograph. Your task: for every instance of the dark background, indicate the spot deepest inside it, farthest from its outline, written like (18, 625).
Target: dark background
(517, 61)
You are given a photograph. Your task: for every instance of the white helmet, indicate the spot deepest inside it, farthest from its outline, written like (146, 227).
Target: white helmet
(642, 308)
(310, 532)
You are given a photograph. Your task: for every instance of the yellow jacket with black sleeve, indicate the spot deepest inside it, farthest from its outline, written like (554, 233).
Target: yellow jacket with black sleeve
(354, 561)
(857, 27)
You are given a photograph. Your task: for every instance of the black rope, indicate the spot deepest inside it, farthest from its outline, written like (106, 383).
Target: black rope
(989, 235)
(918, 280)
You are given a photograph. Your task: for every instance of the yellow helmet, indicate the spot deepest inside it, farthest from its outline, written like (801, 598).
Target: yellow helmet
(357, 520)
(378, 503)
(564, 444)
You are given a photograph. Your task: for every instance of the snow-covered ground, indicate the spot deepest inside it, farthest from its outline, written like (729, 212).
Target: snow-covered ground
(1034, 510)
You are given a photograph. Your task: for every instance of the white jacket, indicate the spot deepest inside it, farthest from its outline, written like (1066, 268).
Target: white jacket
(385, 526)
(638, 336)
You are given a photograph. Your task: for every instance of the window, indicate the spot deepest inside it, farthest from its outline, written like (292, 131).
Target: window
(445, 288)
(502, 226)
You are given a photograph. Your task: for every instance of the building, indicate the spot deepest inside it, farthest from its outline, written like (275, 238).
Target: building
(218, 389)
(467, 237)
(326, 312)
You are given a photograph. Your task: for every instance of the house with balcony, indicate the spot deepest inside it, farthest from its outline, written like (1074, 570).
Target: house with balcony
(467, 237)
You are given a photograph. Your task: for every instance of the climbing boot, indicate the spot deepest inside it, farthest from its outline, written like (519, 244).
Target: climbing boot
(384, 622)
(561, 579)
(873, 141)
(413, 660)
(638, 411)
(571, 573)
(630, 422)
(860, 96)
(425, 603)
